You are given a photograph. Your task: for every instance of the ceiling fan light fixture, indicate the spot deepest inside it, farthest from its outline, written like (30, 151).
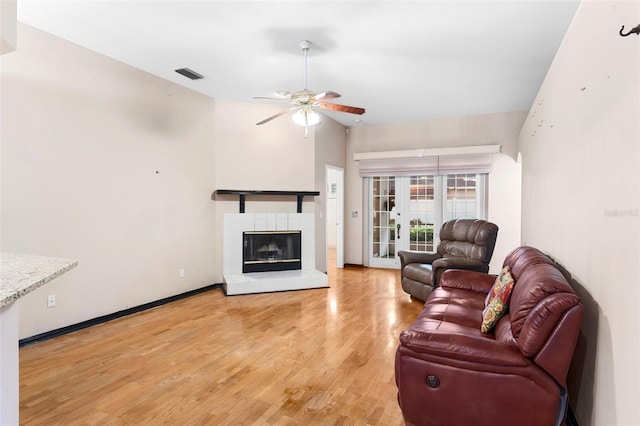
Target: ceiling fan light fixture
(306, 117)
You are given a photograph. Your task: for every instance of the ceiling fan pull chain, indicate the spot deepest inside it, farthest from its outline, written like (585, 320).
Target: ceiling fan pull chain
(306, 117)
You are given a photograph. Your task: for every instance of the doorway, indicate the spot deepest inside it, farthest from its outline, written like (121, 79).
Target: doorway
(334, 177)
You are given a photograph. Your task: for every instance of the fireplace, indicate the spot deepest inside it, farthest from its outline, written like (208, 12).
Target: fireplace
(238, 225)
(267, 251)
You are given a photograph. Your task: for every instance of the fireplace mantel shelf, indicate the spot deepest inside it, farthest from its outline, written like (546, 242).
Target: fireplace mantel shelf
(242, 194)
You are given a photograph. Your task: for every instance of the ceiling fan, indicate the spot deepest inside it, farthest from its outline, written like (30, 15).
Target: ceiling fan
(305, 101)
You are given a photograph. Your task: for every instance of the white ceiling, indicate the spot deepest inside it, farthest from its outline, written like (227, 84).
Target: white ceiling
(400, 60)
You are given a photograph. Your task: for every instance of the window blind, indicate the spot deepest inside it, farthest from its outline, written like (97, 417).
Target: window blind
(420, 162)
(433, 165)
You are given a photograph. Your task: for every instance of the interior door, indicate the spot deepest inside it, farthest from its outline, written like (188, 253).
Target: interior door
(384, 213)
(335, 213)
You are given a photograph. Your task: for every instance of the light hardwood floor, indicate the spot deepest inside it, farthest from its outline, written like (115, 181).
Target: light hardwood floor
(309, 357)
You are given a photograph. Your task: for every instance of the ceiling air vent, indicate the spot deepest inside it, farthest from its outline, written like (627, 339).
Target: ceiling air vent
(189, 74)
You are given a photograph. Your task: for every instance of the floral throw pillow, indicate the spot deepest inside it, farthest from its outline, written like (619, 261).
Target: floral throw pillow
(497, 302)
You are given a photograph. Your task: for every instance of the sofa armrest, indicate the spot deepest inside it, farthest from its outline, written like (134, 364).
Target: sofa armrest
(467, 280)
(474, 349)
(411, 256)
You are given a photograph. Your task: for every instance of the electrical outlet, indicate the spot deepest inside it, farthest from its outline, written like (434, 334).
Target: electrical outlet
(181, 273)
(51, 301)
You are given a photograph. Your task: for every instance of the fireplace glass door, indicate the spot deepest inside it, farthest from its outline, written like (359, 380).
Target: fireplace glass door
(265, 251)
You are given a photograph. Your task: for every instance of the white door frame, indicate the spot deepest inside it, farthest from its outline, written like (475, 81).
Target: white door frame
(396, 214)
(339, 175)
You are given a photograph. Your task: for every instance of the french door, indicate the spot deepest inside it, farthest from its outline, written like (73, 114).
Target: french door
(406, 212)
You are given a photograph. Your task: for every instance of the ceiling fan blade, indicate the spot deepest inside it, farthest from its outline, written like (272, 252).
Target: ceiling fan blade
(283, 112)
(341, 108)
(271, 99)
(327, 95)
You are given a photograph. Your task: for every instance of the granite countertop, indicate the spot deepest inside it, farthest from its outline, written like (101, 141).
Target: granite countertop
(20, 274)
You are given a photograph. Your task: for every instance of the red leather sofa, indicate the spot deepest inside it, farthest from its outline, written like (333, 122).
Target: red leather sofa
(450, 373)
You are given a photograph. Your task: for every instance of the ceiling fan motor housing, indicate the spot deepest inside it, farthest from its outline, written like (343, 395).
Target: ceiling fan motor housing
(305, 44)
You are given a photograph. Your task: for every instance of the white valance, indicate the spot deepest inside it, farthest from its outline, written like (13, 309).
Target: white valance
(439, 161)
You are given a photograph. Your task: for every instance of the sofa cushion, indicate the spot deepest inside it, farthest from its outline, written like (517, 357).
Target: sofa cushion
(523, 258)
(449, 326)
(497, 300)
(541, 296)
(452, 309)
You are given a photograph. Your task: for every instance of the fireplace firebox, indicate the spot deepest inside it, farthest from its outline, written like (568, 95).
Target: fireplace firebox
(266, 251)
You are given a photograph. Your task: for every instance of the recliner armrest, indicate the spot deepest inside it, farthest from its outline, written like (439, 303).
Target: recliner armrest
(460, 263)
(467, 280)
(411, 256)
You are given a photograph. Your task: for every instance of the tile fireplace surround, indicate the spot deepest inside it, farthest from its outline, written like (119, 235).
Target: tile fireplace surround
(235, 282)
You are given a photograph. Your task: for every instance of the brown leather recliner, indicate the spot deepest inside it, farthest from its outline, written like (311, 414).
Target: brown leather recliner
(464, 244)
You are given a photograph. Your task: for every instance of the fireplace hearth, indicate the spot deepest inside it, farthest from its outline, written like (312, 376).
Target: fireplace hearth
(267, 251)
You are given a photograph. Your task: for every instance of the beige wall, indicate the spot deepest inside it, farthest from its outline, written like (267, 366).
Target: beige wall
(331, 149)
(490, 129)
(8, 26)
(273, 156)
(581, 192)
(109, 165)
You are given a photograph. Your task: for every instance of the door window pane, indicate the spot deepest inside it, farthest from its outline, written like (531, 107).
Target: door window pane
(384, 221)
(422, 212)
(461, 201)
